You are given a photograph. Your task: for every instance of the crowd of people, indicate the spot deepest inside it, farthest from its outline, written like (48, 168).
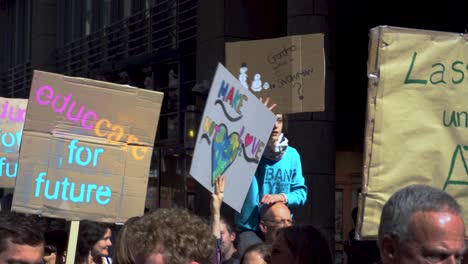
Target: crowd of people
(419, 224)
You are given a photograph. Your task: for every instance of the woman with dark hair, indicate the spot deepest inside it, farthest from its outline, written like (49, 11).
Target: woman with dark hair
(300, 244)
(93, 243)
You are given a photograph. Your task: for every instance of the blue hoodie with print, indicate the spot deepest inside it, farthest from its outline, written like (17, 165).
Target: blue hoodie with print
(273, 177)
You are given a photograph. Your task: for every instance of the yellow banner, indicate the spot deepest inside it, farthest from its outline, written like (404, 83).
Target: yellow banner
(417, 118)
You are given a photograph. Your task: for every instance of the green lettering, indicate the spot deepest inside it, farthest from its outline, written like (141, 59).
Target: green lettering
(460, 118)
(453, 120)
(407, 79)
(454, 64)
(441, 72)
(449, 181)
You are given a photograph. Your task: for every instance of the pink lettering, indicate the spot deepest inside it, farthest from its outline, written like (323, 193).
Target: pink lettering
(4, 109)
(40, 91)
(20, 114)
(78, 115)
(60, 104)
(255, 144)
(85, 117)
(13, 113)
(66, 100)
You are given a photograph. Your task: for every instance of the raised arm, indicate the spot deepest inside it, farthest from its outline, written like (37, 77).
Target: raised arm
(216, 202)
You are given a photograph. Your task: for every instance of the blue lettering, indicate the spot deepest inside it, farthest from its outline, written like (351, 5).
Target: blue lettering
(74, 198)
(65, 184)
(8, 170)
(90, 188)
(56, 191)
(90, 155)
(71, 148)
(269, 174)
(278, 176)
(287, 175)
(39, 180)
(2, 163)
(96, 154)
(12, 141)
(78, 156)
(107, 193)
(223, 89)
(101, 194)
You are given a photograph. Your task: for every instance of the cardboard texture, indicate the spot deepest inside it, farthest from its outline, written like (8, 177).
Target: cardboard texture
(417, 119)
(233, 133)
(12, 116)
(289, 70)
(86, 149)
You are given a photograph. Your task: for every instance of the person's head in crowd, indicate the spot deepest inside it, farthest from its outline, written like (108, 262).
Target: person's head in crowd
(279, 128)
(127, 243)
(173, 236)
(300, 244)
(272, 218)
(56, 242)
(421, 224)
(21, 241)
(228, 236)
(6, 202)
(257, 254)
(93, 241)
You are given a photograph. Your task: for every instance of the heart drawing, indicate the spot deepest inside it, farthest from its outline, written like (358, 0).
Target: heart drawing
(225, 150)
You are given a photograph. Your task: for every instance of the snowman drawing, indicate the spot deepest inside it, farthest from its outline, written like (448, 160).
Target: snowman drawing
(257, 84)
(243, 76)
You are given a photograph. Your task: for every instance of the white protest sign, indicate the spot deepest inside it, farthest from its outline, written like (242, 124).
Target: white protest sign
(233, 134)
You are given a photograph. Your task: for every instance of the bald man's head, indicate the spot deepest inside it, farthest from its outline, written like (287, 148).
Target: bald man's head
(272, 218)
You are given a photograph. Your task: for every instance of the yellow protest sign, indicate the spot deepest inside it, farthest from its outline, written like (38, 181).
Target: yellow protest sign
(417, 117)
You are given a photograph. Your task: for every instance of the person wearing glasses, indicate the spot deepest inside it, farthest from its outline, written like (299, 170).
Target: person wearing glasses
(278, 179)
(272, 218)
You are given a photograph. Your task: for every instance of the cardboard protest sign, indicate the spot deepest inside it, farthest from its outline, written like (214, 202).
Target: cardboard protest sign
(12, 116)
(289, 70)
(417, 117)
(233, 133)
(86, 149)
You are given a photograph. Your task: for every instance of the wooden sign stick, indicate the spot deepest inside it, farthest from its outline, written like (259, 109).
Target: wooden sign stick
(72, 241)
